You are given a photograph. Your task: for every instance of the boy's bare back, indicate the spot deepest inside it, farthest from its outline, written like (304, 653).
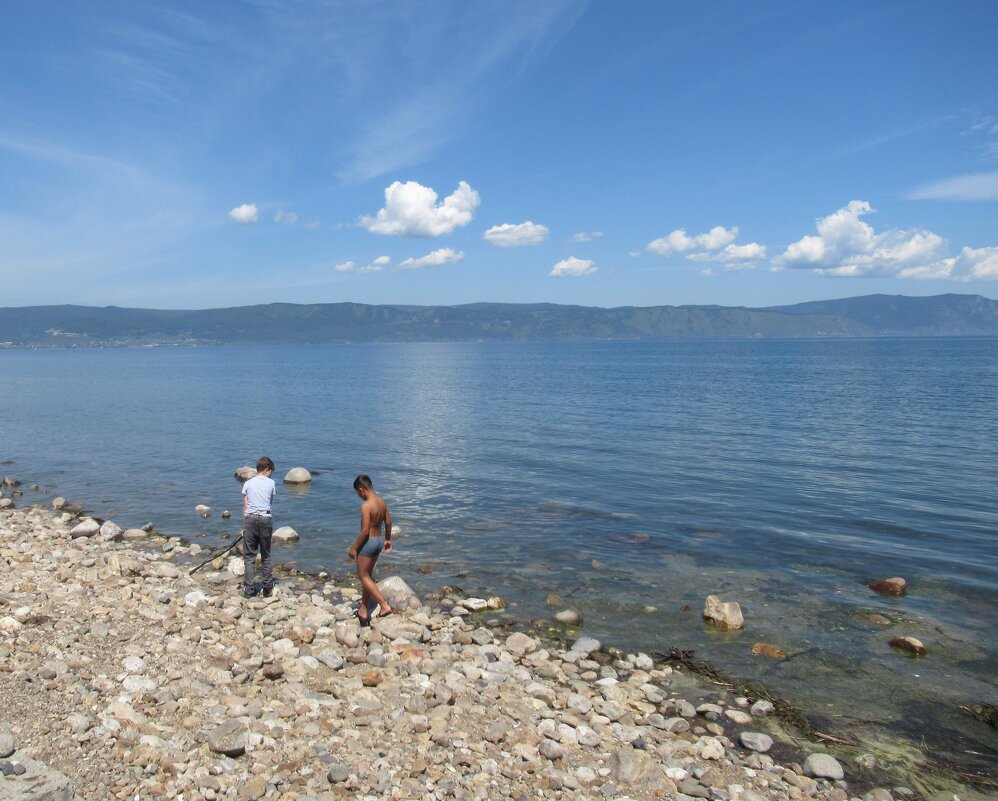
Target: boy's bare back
(374, 515)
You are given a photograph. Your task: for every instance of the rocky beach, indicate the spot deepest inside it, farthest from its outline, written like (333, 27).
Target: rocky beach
(124, 676)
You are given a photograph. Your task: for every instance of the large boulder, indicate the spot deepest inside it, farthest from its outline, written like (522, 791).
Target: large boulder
(286, 534)
(297, 475)
(725, 614)
(398, 594)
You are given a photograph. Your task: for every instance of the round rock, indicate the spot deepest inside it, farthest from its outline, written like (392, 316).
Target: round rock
(228, 739)
(7, 744)
(823, 766)
(297, 475)
(756, 741)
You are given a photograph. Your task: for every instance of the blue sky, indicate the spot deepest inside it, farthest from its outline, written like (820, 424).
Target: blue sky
(189, 155)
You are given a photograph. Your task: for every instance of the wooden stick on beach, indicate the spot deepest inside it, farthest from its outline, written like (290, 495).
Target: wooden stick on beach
(214, 556)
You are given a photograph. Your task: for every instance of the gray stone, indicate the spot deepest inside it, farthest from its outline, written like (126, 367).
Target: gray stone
(338, 773)
(586, 645)
(7, 744)
(110, 532)
(878, 794)
(286, 534)
(693, 789)
(629, 765)
(823, 766)
(228, 739)
(38, 782)
(86, 528)
(761, 708)
(677, 725)
(550, 749)
(398, 594)
(330, 658)
(521, 644)
(756, 741)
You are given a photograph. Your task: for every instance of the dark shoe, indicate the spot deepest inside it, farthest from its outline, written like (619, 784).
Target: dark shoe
(249, 592)
(364, 621)
(267, 592)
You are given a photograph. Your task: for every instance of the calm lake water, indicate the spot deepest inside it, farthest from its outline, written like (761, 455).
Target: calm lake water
(632, 478)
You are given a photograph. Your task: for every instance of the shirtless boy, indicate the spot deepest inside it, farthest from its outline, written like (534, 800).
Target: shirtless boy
(373, 515)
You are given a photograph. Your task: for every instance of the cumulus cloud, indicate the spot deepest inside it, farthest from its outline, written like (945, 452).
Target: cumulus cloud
(980, 264)
(573, 266)
(286, 217)
(375, 266)
(411, 209)
(979, 186)
(245, 214)
(510, 235)
(717, 246)
(679, 242)
(847, 246)
(434, 259)
(733, 257)
(585, 236)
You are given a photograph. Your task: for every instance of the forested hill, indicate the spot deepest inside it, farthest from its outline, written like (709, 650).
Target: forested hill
(867, 316)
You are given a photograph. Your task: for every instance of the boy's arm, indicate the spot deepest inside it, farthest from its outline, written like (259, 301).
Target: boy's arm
(245, 504)
(365, 531)
(388, 529)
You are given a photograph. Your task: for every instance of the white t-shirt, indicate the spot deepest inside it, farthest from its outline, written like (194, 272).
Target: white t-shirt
(259, 492)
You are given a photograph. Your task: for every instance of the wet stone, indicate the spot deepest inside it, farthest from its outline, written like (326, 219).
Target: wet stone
(823, 766)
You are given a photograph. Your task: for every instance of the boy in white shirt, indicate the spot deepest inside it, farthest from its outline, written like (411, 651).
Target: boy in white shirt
(258, 526)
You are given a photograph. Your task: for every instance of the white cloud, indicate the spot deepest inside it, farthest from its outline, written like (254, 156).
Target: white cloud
(733, 257)
(679, 242)
(411, 209)
(510, 235)
(286, 217)
(585, 236)
(717, 245)
(847, 246)
(375, 266)
(573, 266)
(979, 264)
(979, 186)
(434, 259)
(245, 214)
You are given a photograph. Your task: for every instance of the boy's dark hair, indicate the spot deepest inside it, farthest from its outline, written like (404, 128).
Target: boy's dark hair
(363, 481)
(264, 463)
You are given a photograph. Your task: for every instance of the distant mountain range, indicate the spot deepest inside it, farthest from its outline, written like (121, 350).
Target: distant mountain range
(867, 316)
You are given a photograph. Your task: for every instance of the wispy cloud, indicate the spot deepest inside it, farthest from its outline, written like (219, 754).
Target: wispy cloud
(434, 259)
(716, 245)
(977, 186)
(585, 236)
(376, 266)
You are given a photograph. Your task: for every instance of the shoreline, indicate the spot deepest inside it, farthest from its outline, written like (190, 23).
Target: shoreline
(236, 643)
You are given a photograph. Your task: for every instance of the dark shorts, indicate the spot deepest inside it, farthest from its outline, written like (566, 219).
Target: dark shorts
(371, 548)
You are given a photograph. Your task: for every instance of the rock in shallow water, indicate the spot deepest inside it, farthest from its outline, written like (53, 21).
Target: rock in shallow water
(725, 614)
(909, 644)
(890, 586)
(286, 534)
(823, 766)
(297, 475)
(756, 741)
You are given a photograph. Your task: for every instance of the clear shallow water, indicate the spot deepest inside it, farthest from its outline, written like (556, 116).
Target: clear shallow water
(783, 475)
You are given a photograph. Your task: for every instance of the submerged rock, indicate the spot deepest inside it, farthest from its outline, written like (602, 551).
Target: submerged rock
(204, 511)
(725, 614)
(890, 586)
(909, 644)
(569, 617)
(768, 649)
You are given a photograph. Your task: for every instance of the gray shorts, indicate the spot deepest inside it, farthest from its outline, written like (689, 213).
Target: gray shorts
(372, 547)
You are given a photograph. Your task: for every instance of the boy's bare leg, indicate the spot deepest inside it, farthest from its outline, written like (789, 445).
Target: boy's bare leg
(365, 567)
